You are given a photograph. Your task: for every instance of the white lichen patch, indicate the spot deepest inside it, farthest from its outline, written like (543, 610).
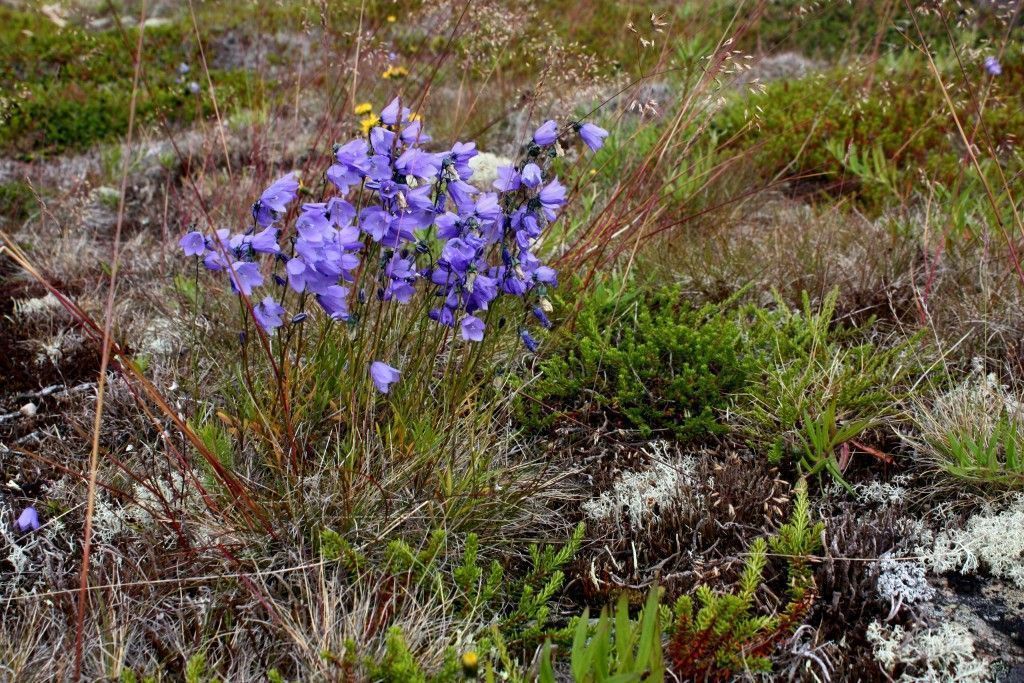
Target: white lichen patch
(903, 581)
(928, 655)
(35, 307)
(884, 493)
(636, 496)
(993, 539)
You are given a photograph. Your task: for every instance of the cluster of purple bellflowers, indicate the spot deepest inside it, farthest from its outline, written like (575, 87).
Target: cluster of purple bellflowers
(409, 217)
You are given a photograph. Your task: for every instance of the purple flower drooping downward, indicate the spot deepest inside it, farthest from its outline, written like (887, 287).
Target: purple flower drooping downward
(383, 376)
(593, 136)
(275, 199)
(390, 198)
(244, 276)
(992, 66)
(28, 520)
(546, 134)
(268, 314)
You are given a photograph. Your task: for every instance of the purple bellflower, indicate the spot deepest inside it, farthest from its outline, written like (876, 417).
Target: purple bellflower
(383, 376)
(274, 201)
(546, 134)
(28, 520)
(593, 136)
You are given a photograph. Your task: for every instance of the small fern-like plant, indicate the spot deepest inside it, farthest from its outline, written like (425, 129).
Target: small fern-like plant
(720, 635)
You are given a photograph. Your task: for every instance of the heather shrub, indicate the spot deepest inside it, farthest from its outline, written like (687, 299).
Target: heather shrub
(646, 360)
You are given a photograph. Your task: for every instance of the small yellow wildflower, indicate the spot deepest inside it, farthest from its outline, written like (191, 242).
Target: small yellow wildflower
(392, 18)
(363, 108)
(394, 72)
(368, 122)
(470, 663)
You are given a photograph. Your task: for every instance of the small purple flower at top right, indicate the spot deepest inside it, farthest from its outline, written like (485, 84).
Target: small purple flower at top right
(592, 135)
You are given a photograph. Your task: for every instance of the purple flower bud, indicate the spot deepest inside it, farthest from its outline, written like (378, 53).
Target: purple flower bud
(299, 318)
(528, 341)
(992, 66)
(542, 317)
(383, 376)
(28, 520)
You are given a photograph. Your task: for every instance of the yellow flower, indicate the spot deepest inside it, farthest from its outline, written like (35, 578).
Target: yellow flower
(394, 72)
(470, 663)
(363, 108)
(367, 122)
(392, 18)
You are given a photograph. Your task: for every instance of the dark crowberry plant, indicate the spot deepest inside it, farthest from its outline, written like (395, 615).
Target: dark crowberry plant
(395, 225)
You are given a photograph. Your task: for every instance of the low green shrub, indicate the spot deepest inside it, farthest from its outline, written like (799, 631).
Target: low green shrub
(722, 635)
(649, 361)
(708, 636)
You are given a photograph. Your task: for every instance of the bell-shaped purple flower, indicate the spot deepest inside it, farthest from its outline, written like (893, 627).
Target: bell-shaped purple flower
(508, 180)
(265, 241)
(532, 175)
(592, 135)
(334, 301)
(244, 276)
(552, 196)
(394, 113)
(193, 244)
(274, 201)
(352, 165)
(268, 314)
(472, 328)
(383, 375)
(28, 520)
(546, 134)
